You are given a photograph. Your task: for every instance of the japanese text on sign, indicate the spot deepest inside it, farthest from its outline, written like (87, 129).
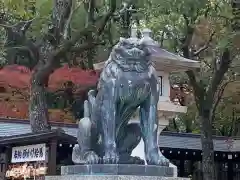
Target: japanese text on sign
(29, 153)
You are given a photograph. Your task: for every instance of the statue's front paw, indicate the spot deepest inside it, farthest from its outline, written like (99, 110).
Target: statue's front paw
(91, 157)
(110, 157)
(127, 159)
(163, 161)
(153, 158)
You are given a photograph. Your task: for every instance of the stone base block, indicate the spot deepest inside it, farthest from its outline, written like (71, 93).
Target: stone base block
(118, 169)
(110, 177)
(115, 172)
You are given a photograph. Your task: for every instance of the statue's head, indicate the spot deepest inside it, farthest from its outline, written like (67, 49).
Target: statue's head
(130, 52)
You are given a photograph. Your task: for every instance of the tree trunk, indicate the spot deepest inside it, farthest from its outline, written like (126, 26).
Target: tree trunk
(208, 166)
(204, 104)
(38, 110)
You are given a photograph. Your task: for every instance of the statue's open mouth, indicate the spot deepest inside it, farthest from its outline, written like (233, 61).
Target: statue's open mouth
(133, 54)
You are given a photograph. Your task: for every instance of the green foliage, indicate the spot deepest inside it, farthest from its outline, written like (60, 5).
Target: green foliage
(2, 51)
(169, 19)
(2, 58)
(166, 19)
(172, 21)
(227, 118)
(186, 123)
(16, 10)
(190, 120)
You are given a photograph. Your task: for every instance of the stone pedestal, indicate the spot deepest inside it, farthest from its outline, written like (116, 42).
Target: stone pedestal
(110, 177)
(118, 169)
(115, 172)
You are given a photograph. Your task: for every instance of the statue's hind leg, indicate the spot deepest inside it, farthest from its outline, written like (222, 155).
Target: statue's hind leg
(129, 138)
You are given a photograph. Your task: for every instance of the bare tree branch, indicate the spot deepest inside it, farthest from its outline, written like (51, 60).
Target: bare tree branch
(86, 46)
(70, 43)
(21, 26)
(186, 20)
(109, 14)
(190, 31)
(68, 23)
(162, 38)
(218, 97)
(206, 63)
(196, 87)
(109, 34)
(207, 11)
(218, 75)
(91, 28)
(196, 53)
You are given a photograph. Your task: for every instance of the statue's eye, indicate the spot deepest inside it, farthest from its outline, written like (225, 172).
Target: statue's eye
(142, 46)
(124, 43)
(118, 56)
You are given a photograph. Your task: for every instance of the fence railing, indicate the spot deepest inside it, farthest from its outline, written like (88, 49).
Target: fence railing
(193, 170)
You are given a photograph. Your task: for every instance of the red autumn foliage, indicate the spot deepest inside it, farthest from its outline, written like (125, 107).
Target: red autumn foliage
(14, 88)
(15, 76)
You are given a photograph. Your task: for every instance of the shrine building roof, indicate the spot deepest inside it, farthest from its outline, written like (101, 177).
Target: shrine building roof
(41, 137)
(11, 131)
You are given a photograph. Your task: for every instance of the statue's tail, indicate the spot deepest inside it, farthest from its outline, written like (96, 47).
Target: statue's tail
(90, 103)
(86, 109)
(84, 135)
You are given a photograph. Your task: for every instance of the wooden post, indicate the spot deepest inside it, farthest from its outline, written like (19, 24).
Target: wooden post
(8, 152)
(52, 158)
(182, 169)
(230, 169)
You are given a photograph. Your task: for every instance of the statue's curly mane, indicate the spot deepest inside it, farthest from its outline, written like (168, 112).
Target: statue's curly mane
(130, 55)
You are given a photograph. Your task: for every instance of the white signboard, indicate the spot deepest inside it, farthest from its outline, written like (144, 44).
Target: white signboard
(29, 153)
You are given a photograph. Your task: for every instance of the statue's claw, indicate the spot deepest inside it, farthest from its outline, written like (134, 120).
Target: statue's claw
(91, 157)
(163, 161)
(91, 93)
(153, 158)
(88, 157)
(110, 157)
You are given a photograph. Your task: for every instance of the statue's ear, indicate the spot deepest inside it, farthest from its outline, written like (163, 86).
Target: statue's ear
(123, 42)
(122, 39)
(145, 48)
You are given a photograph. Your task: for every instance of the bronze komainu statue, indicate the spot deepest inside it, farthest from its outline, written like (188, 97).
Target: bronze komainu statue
(127, 82)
